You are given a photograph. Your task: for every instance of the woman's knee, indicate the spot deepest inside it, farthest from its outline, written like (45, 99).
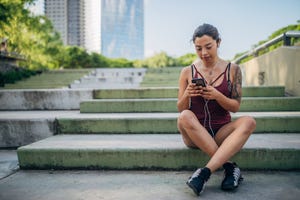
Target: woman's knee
(250, 124)
(184, 118)
(189, 143)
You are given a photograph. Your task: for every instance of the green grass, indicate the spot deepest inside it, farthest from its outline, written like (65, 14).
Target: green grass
(49, 80)
(161, 77)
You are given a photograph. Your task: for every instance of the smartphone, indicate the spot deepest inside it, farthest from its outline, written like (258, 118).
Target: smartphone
(199, 82)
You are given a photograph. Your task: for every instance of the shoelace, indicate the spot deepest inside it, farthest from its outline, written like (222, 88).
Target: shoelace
(235, 173)
(196, 173)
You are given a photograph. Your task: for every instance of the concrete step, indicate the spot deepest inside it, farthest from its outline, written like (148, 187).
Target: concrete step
(252, 104)
(19, 128)
(277, 122)
(171, 92)
(43, 99)
(68, 99)
(152, 151)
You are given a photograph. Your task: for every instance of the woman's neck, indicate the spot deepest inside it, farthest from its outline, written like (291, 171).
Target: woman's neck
(211, 65)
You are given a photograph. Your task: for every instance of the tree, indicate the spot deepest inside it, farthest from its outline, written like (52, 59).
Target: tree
(74, 57)
(32, 36)
(186, 59)
(295, 27)
(158, 60)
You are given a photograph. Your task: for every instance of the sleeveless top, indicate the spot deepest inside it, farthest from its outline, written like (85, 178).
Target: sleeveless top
(209, 112)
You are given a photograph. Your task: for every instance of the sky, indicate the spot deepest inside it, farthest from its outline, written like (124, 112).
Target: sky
(169, 24)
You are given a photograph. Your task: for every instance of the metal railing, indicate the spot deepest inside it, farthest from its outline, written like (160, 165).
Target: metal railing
(285, 37)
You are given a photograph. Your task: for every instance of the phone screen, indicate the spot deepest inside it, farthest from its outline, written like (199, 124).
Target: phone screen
(199, 82)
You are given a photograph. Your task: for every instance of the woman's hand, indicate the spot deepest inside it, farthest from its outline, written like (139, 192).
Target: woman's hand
(209, 93)
(193, 90)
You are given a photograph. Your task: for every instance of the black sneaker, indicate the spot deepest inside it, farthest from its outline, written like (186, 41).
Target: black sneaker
(232, 176)
(197, 181)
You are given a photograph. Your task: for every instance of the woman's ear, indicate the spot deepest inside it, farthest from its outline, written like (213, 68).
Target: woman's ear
(218, 42)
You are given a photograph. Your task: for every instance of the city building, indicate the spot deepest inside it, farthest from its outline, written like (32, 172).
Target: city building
(114, 28)
(56, 11)
(92, 39)
(122, 28)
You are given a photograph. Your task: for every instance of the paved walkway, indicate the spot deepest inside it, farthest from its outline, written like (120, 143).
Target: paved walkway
(145, 185)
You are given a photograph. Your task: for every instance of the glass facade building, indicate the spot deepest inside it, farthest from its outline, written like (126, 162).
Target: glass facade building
(122, 29)
(114, 28)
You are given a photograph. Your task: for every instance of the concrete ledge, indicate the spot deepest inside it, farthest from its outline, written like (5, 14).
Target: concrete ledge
(19, 128)
(272, 151)
(15, 133)
(68, 99)
(171, 92)
(141, 93)
(257, 104)
(279, 122)
(45, 99)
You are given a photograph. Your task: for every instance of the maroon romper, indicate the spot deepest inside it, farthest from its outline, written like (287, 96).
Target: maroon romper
(209, 112)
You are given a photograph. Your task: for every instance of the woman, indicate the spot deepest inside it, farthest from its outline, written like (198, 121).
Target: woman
(204, 121)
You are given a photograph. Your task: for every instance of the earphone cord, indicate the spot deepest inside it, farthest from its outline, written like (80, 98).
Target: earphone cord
(207, 113)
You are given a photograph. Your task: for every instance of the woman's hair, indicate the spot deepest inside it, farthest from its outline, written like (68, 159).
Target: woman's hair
(206, 29)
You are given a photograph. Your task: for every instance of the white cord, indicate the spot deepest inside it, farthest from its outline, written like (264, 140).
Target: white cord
(206, 112)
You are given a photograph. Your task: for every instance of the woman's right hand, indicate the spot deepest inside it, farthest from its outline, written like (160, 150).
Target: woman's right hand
(193, 90)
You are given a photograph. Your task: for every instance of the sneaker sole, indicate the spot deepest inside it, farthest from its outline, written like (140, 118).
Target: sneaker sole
(194, 189)
(229, 187)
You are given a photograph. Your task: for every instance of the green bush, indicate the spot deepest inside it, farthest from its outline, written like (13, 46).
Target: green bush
(16, 74)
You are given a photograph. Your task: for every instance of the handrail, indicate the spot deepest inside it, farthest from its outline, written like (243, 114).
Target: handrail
(286, 37)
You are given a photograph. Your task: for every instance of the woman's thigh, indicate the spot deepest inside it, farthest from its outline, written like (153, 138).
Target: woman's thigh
(185, 117)
(187, 121)
(244, 124)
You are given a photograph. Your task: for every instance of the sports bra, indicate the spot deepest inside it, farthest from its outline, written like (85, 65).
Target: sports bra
(218, 116)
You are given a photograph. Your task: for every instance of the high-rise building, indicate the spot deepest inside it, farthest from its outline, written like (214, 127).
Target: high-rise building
(114, 28)
(122, 28)
(77, 21)
(92, 37)
(56, 11)
(75, 24)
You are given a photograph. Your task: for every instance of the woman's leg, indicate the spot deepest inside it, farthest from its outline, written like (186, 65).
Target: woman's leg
(230, 139)
(194, 134)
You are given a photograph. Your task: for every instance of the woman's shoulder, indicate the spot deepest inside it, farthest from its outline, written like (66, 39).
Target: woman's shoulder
(186, 69)
(234, 65)
(235, 71)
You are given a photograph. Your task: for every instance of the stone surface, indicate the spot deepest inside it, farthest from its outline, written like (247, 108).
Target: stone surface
(43, 99)
(143, 185)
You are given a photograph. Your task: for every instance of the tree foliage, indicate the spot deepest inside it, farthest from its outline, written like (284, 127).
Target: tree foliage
(186, 59)
(295, 27)
(158, 60)
(32, 36)
(35, 38)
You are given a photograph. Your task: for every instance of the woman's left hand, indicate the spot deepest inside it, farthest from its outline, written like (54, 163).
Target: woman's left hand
(210, 93)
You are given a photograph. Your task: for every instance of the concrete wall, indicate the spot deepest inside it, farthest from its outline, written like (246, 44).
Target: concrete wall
(19, 132)
(46, 99)
(279, 67)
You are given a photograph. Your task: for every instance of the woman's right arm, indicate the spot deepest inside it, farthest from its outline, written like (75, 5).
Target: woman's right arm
(183, 94)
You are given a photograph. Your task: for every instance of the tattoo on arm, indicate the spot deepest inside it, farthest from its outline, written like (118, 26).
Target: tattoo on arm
(237, 85)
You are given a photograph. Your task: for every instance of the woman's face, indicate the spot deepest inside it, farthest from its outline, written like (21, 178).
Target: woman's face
(206, 48)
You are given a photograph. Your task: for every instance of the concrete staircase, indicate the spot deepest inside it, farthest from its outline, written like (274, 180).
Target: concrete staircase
(136, 129)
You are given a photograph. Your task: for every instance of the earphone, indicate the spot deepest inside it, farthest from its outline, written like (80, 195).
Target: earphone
(207, 112)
